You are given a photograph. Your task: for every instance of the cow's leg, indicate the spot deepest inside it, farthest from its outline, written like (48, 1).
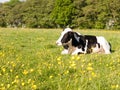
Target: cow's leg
(86, 46)
(77, 51)
(65, 51)
(96, 49)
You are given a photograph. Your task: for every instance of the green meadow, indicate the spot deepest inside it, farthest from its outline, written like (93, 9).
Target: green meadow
(30, 60)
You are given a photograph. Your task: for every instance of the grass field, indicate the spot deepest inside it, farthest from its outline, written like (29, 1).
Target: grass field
(30, 60)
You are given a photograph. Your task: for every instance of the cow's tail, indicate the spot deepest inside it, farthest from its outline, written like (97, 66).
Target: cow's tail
(110, 46)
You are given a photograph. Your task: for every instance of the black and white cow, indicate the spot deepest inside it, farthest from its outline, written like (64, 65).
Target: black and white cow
(59, 43)
(84, 43)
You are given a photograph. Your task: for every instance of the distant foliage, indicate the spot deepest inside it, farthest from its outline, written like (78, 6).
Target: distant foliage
(62, 12)
(90, 14)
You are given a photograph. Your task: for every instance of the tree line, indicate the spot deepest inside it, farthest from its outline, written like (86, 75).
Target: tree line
(97, 14)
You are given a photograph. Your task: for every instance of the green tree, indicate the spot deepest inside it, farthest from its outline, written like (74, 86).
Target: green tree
(4, 12)
(78, 17)
(62, 13)
(37, 12)
(59, 13)
(13, 3)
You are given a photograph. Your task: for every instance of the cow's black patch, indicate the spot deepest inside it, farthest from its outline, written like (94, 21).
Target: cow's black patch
(66, 46)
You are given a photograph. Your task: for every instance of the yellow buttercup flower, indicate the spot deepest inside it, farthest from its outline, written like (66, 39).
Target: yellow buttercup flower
(73, 58)
(16, 76)
(72, 64)
(114, 86)
(8, 85)
(29, 80)
(93, 74)
(77, 58)
(11, 70)
(66, 72)
(59, 58)
(23, 83)
(89, 64)
(31, 70)
(34, 87)
(25, 72)
(3, 69)
(51, 77)
(89, 68)
(60, 62)
(2, 54)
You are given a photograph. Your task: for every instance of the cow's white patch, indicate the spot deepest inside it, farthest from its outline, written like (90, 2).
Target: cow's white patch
(65, 51)
(96, 49)
(105, 45)
(86, 46)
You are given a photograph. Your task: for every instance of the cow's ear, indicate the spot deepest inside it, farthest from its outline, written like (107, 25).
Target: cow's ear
(76, 37)
(64, 28)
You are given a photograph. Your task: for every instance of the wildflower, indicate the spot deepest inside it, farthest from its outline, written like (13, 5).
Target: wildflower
(3, 69)
(66, 72)
(89, 64)
(77, 58)
(15, 81)
(107, 65)
(2, 54)
(23, 83)
(73, 58)
(72, 64)
(3, 88)
(8, 85)
(59, 58)
(117, 86)
(34, 87)
(90, 79)
(83, 60)
(23, 65)
(82, 66)
(2, 85)
(25, 72)
(8, 62)
(16, 76)
(51, 77)
(89, 68)
(13, 64)
(31, 70)
(29, 80)
(118, 60)
(59, 62)
(11, 70)
(114, 86)
(93, 74)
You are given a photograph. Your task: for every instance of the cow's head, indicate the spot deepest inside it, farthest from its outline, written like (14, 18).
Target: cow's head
(67, 37)
(58, 42)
